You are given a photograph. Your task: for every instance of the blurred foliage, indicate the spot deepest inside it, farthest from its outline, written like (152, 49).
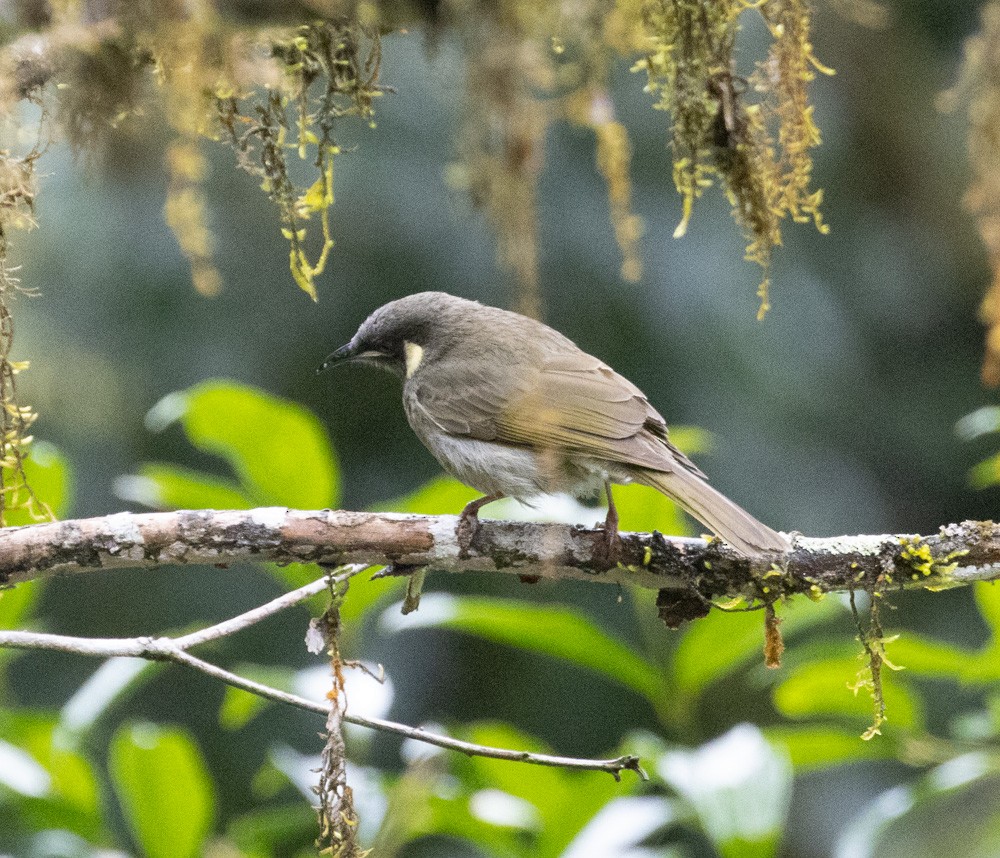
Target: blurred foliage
(727, 787)
(979, 89)
(837, 413)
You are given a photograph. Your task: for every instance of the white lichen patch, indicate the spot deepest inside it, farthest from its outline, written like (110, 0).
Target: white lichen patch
(986, 572)
(122, 528)
(443, 529)
(272, 517)
(868, 546)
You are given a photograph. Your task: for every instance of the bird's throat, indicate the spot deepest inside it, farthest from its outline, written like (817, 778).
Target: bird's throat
(413, 354)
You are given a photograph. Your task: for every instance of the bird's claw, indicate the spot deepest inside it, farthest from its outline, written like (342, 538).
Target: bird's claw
(465, 531)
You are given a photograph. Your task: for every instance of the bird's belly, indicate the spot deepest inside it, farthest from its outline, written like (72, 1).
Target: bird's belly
(491, 468)
(517, 472)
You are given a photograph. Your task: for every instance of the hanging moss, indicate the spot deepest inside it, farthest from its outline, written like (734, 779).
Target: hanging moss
(979, 89)
(324, 74)
(17, 207)
(723, 124)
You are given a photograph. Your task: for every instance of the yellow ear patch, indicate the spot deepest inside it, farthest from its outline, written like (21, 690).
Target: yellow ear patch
(414, 354)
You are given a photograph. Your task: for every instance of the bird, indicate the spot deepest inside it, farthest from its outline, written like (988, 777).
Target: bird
(512, 408)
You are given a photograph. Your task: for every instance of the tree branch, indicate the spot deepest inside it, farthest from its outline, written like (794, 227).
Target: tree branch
(688, 572)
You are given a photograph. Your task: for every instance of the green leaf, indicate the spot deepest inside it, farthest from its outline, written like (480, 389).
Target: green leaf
(272, 830)
(927, 657)
(278, 449)
(558, 632)
(116, 680)
(740, 788)
(723, 641)
(440, 496)
(987, 596)
(565, 801)
(162, 486)
(239, 707)
(980, 422)
(817, 747)
(164, 789)
(16, 604)
(986, 473)
(644, 510)
(952, 810)
(70, 799)
(824, 689)
(48, 473)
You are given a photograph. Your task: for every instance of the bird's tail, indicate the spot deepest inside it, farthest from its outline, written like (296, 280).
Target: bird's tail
(712, 508)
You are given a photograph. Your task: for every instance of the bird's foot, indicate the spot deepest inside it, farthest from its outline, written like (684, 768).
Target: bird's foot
(468, 523)
(465, 530)
(608, 551)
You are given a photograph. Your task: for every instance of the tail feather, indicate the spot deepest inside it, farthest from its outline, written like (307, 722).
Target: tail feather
(712, 508)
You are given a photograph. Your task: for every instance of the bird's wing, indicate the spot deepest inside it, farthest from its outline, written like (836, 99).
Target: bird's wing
(582, 406)
(571, 403)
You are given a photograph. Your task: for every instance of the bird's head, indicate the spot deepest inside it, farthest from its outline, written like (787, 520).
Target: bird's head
(398, 335)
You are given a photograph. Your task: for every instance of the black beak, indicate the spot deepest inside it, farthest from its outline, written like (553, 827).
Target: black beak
(345, 352)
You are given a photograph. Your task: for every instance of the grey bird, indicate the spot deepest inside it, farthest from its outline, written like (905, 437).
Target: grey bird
(512, 408)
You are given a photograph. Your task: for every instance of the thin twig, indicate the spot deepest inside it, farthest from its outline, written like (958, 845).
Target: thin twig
(175, 650)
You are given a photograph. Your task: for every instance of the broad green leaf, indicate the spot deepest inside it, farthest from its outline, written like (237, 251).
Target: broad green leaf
(565, 801)
(51, 480)
(114, 681)
(811, 748)
(723, 641)
(928, 657)
(739, 786)
(987, 595)
(164, 789)
(986, 473)
(71, 798)
(824, 689)
(440, 496)
(271, 831)
(454, 816)
(163, 486)
(644, 510)
(16, 604)
(366, 594)
(239, 707)
(980, 422)
(278, 449)
(559, 632)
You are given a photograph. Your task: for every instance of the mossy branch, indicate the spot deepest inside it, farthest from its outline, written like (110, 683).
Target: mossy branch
(690, 574)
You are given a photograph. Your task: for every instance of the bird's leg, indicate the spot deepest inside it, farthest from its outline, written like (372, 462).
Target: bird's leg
(612, 542)
(468, 522)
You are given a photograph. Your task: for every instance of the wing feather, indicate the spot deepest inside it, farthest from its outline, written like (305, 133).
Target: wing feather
(566, 401)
